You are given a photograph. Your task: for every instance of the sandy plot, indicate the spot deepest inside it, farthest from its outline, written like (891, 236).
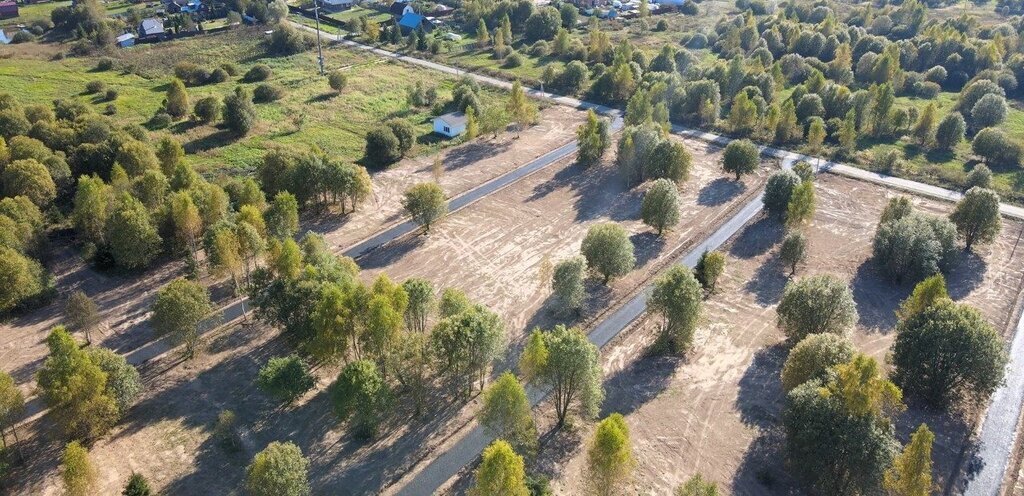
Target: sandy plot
(501, 250)
(716, 412)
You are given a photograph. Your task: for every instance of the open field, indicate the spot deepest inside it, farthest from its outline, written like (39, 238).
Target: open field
(716, 412)
(309, 115)
(501, 251)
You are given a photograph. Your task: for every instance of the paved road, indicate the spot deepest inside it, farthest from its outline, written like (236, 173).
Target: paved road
(468, 448)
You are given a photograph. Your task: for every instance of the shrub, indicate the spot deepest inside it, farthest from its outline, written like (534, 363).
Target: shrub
(514, 59)
(989, 111)
(266, 93)
(815, 305)
(111, 95)
(22, 37)
(778, 190)
(813, 357)
(259, 72)
(382, 146)
(287, 40)
(93, 87)
(915, 246)
(207, 109)
(161, 120)
(105, 64)
(239, 112)
(285, 378)
(218, 75)
(337, 80)
(950, 131)
(110, 109)
(980, 176)
(996, 147)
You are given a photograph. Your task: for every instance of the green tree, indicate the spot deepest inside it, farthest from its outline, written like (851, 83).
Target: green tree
(382, 146)
(133, 239)
(137, 158)
(709, 269)
(337, 81)
(564, 360)
(505, 414)
(848, 133)
(92, 202)
(801, 204)
(362, 394)
(660, 206)
(77, 470)
(742, 114)
(977, 217)
(421, 301)
(815, 135)
(278, 470)
(948, 353)
(81, 314)
(911, 471)
(594, 140)
(21, 277)
(813, 357)
(996, 148)
(610, 459)
(239, 112)
(522, 111)
(74, 388)
(677, 297)
(980, 176)
(608, 250)
(832, 450)
(12, 407)
(924, 128)
(453, 302)
(926, 293)
(864, 390)
(778, 190)
(740, 157)
(123, 382)
(178, 310)
(176, 103)
(137, 486)
(915, 245)
(950, 131)
(669, 160)
(567, 283)
(282, 217)
(815, 305)
(285, 378)
(483, 36)
(30, 179)
(501, 472)
(426, 204)
(465, 344)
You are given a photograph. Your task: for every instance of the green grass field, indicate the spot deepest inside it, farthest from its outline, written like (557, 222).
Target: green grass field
(33, 12)
(309, 115)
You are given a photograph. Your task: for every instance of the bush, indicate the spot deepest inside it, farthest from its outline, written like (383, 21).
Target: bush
(778, 190)
(540, 49)
(989, 111)
(105, 64)
(266, 93)
(980, 176)
(815, 305)
(915, 246)
(950, 131)
(813, 357)
(161, 120)
(22, 37)
(93, 87)
(287, 40)
(337, 80)
(259, 72)
(111, 95)
(996, 147)
(514, 59)
(239, 112)
(110, 109)
(285, 378)
(382, 146)
(218, 75)
(542, 25)
(207, 109)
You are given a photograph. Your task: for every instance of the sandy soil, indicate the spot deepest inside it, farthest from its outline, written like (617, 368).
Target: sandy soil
(124, 299)
(716, 412)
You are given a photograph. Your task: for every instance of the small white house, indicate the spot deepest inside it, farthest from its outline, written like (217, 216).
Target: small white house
(451, 124)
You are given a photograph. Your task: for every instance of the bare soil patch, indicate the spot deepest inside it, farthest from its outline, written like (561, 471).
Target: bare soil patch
(717, 411)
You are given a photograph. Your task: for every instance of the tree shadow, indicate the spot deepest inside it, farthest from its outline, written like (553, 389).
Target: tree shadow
(760, 397)
(213, 140)
(967, 274)
(955, 452)
(323, 97)
(640, 382)
(719, 192)
(768, 282)
(390, 253)
(757, 238)
(473, 152)
(877, 299)
(762, 470)
(184, 126)
(646, 246)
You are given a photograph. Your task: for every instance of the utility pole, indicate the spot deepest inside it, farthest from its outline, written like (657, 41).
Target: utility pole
(319, 46)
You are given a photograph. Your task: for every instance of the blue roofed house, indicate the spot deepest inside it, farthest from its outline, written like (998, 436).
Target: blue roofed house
(413, 21)
(451, 124)
(125, 40)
